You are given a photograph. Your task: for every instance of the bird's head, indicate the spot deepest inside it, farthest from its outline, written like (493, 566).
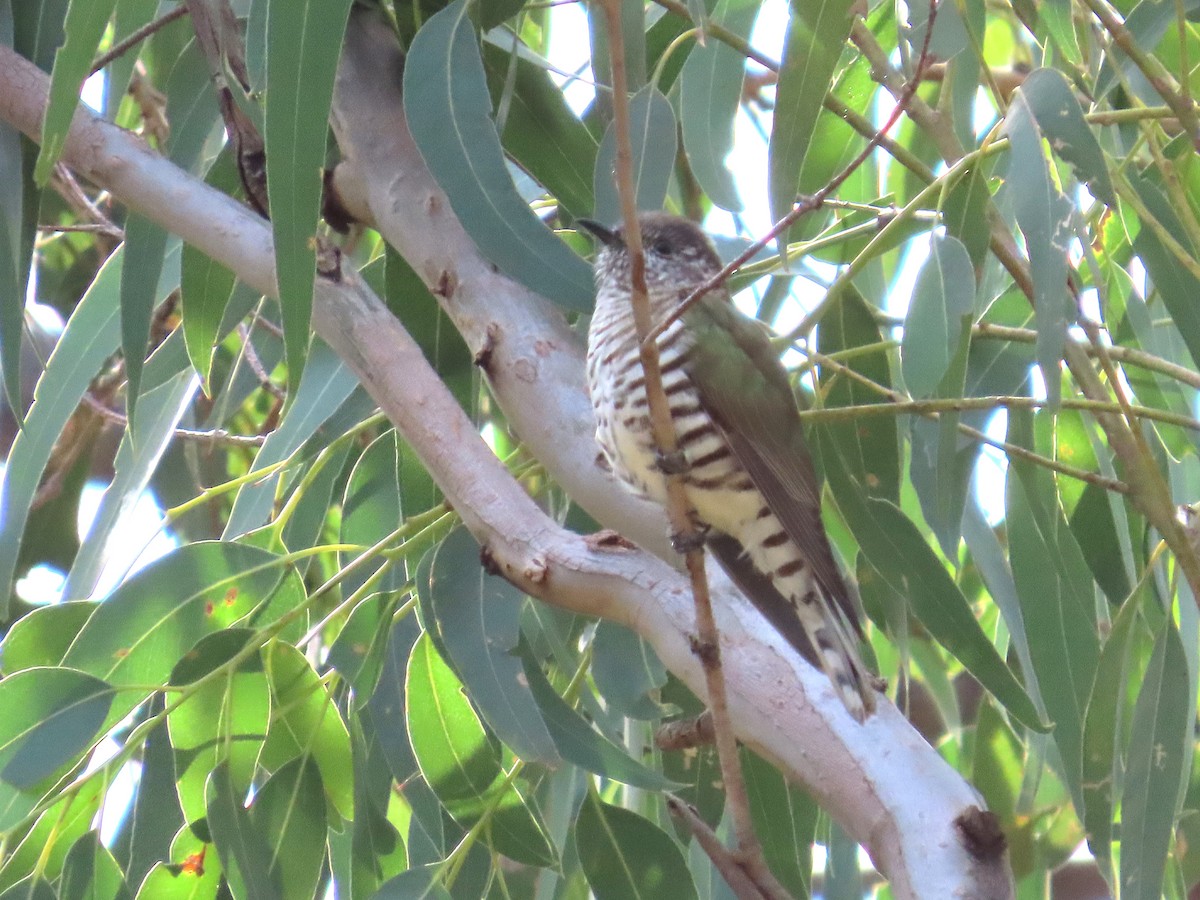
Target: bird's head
(678, 255)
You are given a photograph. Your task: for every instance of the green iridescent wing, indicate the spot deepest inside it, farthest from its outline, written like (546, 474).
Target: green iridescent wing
(745, 389)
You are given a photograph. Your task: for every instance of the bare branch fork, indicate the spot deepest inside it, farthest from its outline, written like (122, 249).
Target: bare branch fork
(884, 784)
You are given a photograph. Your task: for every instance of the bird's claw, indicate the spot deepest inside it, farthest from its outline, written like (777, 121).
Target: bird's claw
(673, 463)
(684, 542)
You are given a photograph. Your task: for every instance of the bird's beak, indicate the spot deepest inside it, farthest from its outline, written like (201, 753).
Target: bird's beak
(604, 235)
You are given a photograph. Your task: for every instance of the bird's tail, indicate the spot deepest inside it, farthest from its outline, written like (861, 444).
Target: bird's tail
(819, 629)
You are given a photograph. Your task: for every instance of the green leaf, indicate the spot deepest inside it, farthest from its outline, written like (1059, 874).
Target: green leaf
(19, 202)
(580, 744)
(145, 247)
(627, 672)
(90, 338)
(289, 811)
(154, 818)
(51, 716)
(84, 26)
(423, 883)
(224, 720)
(1102, 764)
(326, 384)
(870, 447)
(710, 93)
(44, 847)
(141, 449)
(91, 872)
(447, 737)
(304, 40)
(898, 552)
(42, 637)
(358, 651)
(652, 138)
(478, 620)
(152, 620)
(627, 857)
(1174, 283)
(785, 819)
(541, 132)
(1052, 103)
(1057, 601)
(1044, 216)
(1155, 768)
(448, 108)
(306, 723)
(205, 285)
(245, 854)
(813, 43)
(943, 297)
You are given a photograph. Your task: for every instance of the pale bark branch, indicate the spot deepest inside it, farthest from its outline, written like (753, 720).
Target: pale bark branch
(884, 784)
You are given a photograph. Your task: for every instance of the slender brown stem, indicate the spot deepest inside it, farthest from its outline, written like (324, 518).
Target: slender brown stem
(121, 47)
(757, 881)
(722, 859)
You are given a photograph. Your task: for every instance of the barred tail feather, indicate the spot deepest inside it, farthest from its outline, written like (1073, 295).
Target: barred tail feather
(819, 630)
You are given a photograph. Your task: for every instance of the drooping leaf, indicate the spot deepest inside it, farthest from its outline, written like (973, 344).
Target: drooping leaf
(304, 40)
(816, 33)
(245, 854)
(1155, 768)
(628, 857)
(448, 108)
(943, 295)
(51, 715)
(1057, 602)
(710, 91)
(1044, 216)
(652, 141)
(478, 621)
(91, 336)
(84, 26)
(306, 724)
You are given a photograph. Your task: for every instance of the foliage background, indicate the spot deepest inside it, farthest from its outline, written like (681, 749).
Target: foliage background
(408, 723)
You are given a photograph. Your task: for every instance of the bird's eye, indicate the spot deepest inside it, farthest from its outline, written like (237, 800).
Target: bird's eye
(662, 248)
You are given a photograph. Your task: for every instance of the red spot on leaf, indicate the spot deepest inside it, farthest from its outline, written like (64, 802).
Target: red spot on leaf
(194, 864)
(230, 596)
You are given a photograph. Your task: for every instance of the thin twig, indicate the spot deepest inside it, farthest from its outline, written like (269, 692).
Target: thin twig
(724, 861)
(1148, 490)
(808, 204)
(1128, 355)
(215, 436)
(751, 861)
(896, 399)
(1156, 73)
(120, 48)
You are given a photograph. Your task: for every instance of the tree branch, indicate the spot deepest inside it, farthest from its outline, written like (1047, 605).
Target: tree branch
(887, 787)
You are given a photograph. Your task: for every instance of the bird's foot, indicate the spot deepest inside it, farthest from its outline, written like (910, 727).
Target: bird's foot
(684, 542)
(673, 463)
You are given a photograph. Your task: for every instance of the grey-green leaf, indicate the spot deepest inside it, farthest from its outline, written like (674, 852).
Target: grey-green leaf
(448, 108)
(653, 142)
(944, 293)
(710, 92)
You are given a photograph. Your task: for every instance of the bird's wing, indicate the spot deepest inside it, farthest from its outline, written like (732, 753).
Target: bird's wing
(745, 389)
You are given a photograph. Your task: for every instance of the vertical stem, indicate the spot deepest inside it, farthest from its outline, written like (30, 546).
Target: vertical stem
(678, 507)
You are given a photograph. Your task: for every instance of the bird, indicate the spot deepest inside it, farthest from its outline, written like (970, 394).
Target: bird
(746, 468)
